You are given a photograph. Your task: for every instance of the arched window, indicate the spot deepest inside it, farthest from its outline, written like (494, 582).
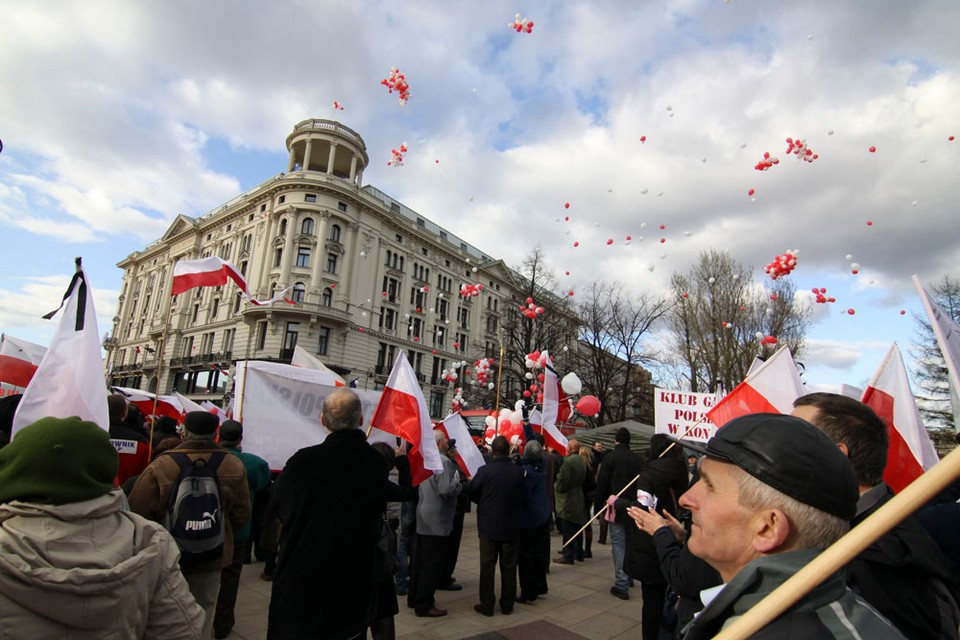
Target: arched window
(273, 289)
(335, 233)
(327, 298)
(306, 227)
(283, 227)
(299, 292)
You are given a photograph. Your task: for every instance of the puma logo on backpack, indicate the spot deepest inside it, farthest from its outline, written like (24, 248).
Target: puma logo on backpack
(194, 513)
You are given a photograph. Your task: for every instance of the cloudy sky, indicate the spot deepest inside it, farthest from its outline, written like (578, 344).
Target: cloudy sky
(116, 116)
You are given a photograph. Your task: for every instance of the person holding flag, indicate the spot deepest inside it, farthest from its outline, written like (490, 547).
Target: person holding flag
(903, 574)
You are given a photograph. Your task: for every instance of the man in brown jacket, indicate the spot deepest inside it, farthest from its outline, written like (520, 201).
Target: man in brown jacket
(150, 497)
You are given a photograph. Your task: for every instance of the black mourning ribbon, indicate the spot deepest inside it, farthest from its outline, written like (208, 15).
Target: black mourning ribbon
(81, 303)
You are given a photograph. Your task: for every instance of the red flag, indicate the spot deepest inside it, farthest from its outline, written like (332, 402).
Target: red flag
(769, 388)
(166, 405)
(403, 412)
(212, 272)
(19, 360)
(888, 393)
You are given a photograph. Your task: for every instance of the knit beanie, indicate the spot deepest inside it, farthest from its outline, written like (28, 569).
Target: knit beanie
(57, 461)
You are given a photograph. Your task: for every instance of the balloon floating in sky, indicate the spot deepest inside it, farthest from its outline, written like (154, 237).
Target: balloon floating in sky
(396, 156)
(850, 312)
(521, 24)
(800, 149)
(873, 149)
(337, 106)
(531, 310)
(766, 162)
(750, 192)
(782, 265)
(820, 294)
(397, 82)
(644, 138)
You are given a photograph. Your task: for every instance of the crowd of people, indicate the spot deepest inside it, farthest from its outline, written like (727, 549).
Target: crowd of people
(142, 532)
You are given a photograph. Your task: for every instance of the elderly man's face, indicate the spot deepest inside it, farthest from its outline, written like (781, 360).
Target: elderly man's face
(721, 532)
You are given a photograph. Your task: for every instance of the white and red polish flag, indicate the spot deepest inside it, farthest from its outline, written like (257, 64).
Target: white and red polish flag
(769, 388)
(213, 272)
(403, 412)
(166, 405)
(70, 379)
(18, 360)
(304, 359)
(910, 451)
(469, 458)
(551, 408)
(187, 404)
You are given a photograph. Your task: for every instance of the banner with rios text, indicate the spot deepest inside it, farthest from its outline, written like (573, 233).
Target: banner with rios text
(279, 406)
(683, 414)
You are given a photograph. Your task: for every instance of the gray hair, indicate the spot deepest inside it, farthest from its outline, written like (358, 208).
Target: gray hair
(812, 528)
(533, 450)
(204, 437)
(342, 410)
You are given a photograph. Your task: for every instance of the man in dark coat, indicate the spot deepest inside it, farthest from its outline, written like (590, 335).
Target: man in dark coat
(330, 498)
(498, 490)
(620, 467)
(903, 575)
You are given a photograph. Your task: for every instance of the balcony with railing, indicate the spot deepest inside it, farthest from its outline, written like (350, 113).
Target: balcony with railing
(310, 310)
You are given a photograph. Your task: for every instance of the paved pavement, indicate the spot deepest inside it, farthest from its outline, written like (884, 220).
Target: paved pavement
(579, 601)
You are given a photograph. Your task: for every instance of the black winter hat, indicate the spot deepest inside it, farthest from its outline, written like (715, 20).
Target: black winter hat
(231, 431)
(623, 436)
(790, 455)
(201, 423)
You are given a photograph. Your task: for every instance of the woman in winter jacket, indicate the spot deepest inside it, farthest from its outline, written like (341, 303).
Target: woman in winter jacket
(73, 563)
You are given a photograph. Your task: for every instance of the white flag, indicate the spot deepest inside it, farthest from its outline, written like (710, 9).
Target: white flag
(948, 335)
(70, 379)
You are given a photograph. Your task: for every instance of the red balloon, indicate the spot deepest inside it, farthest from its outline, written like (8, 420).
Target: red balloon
(566, 205)
(588, 405)
(873, 149)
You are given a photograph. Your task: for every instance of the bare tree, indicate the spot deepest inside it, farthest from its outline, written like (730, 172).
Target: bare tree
(722, 316)
(931, 369)
(614, 328)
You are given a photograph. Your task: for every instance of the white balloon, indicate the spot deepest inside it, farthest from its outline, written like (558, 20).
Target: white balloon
(490, 421)
(490, 385)
(849, 256)
(518, 409)
(571, 384)
(528, 375)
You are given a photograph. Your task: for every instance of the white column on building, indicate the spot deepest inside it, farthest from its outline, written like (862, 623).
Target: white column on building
(288, 255)
(292, 162)
(349, 263)
(331, 158)
(308, 152)
(316, 269)
(266, 251)
(353, 168)
(360, 178)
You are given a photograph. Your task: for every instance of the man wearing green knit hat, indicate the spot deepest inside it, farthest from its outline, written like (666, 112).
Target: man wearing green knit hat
(73, 562)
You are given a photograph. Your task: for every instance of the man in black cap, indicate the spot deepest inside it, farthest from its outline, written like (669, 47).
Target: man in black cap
(620, 467)
(258, 479)
(903, 574)
(151, 495)
(773, 493)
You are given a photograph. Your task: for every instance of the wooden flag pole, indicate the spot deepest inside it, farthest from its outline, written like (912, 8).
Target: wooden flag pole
(606, 505)
(846, 548)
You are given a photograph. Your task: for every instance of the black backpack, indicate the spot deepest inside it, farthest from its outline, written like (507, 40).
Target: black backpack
(195, 514)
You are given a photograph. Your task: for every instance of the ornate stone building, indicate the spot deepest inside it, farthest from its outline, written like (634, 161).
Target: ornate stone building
(367, 276)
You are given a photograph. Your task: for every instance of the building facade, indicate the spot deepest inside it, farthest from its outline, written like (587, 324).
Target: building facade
(366, 278)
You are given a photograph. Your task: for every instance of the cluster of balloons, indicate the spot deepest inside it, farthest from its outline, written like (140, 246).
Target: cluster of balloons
(451, 375)
(509, 424)
(470, 290)
(766, 162)
(766, 339)
(820, 295)
(531, 310)
(535, 360)
(396, 156)
(481, 369)
(458, 403)
(337, 106)
(800, 149)
(783, 264)
(396, 81)
(521, 24)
